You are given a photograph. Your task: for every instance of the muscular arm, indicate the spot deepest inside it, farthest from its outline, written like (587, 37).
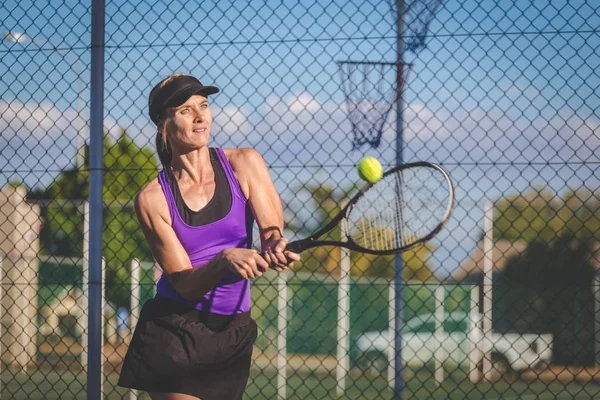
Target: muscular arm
(190, 283)
(257, 185)
(261, 193)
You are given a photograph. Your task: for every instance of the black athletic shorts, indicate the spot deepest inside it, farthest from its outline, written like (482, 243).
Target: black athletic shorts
(176, 349)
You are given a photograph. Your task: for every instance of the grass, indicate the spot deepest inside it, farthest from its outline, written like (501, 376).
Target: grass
(419, 384)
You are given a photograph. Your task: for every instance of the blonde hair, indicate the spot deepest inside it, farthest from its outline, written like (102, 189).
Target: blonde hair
(162, 144)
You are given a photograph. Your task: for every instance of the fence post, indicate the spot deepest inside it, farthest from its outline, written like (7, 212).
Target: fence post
(474, 336)
(85, 285)
(392, 334)
(488, 269)
(282, 338)
(439, 333)
(596, 289)
(134, 315)
(1, 322)
(135, 293)
(343, 360)
(103, 327)
(20, 264)
(96, 164)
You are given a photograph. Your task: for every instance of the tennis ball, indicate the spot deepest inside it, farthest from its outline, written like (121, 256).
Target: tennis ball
(369, 169)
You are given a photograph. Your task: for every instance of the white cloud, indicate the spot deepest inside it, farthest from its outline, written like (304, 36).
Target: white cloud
(45, 122)
(300, 129)
(303, 102)
(39, 139)
(231, 120)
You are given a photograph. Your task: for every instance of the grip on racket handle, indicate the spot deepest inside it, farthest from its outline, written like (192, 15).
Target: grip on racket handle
(295, 246)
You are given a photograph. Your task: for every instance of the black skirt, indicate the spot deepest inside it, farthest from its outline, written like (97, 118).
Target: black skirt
(176, 349)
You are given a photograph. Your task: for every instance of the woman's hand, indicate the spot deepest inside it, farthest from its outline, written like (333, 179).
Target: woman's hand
(246, 263)
(276, 256)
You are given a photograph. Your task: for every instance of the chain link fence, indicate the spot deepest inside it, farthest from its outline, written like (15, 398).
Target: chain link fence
(503, 303)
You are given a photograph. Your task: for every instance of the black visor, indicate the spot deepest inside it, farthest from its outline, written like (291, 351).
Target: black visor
(174, 93)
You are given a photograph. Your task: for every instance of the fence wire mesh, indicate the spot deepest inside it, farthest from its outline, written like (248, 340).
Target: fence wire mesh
(503, 303)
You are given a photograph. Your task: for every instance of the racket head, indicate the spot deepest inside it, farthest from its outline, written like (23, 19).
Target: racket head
(408, 206)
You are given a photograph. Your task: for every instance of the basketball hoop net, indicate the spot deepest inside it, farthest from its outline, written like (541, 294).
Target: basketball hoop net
(417, 16)
(371, 90)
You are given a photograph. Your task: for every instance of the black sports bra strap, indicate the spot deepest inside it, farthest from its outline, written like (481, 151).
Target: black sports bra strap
(217, 208)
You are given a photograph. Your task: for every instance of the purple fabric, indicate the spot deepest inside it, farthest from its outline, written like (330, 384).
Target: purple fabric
(232, 294)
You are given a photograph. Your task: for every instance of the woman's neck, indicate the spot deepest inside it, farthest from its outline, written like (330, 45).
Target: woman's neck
(194, 166)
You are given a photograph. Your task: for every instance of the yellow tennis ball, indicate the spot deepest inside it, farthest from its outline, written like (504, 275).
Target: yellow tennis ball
(369, 169)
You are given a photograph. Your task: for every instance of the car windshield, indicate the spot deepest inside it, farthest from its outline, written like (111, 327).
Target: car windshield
(453, 322)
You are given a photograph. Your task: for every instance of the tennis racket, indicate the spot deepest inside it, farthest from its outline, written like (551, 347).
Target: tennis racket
(408, 206)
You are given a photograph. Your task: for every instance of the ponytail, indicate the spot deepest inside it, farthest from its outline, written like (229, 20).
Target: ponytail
(163, 149)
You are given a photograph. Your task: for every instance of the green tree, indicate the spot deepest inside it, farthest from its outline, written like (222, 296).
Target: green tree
(548, 288)
(127, 168)
(579, 215)
(541, 215)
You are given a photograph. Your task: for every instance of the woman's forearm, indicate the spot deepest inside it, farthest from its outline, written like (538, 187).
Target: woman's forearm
(193, 284)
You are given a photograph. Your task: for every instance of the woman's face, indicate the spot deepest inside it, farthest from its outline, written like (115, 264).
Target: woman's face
(189, 124)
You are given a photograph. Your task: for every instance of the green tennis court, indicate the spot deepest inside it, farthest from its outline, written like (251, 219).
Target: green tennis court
(419, 385)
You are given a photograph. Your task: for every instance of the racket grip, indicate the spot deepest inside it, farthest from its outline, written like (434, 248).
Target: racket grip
(296, 246)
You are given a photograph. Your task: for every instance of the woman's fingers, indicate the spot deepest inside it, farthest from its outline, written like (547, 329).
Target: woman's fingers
(248, 264)
(277, 257)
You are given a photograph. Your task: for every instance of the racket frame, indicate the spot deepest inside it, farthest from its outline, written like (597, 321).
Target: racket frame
(300, 245)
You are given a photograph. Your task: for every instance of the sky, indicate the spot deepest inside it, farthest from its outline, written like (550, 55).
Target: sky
(505, 95)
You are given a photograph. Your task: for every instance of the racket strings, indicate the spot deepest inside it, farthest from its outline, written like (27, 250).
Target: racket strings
(400, 210)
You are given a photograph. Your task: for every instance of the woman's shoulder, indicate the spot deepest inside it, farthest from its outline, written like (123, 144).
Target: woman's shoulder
(247, 164)
(151, 197)
(241, 156)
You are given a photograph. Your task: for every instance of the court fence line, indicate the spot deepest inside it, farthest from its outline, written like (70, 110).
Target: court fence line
(505, 299)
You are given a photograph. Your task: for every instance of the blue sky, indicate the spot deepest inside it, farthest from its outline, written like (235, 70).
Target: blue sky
(499, 97)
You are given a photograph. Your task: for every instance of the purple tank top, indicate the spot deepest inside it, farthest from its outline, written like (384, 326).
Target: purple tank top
(231, 295)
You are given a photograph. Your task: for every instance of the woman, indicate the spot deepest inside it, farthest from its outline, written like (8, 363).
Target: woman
(194, 339)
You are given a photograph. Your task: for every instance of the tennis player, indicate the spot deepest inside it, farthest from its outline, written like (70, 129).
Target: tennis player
(194, 339)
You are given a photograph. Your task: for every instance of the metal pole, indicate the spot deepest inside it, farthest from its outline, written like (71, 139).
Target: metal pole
(398, 267)
(391, 334)
(282, 336)
(596, 288)
(343, 330)
(103, 338)
(94, 373)
(439, 334)
(136, 277)
(474, 336)
(21, 265)
(135, 305)
(80, 126)
(85, 284)
(1, 323)
(488, 266)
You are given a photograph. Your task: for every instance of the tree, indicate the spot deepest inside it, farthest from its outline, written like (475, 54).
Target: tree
(549, 286)
(127, 168)
(540, 215)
